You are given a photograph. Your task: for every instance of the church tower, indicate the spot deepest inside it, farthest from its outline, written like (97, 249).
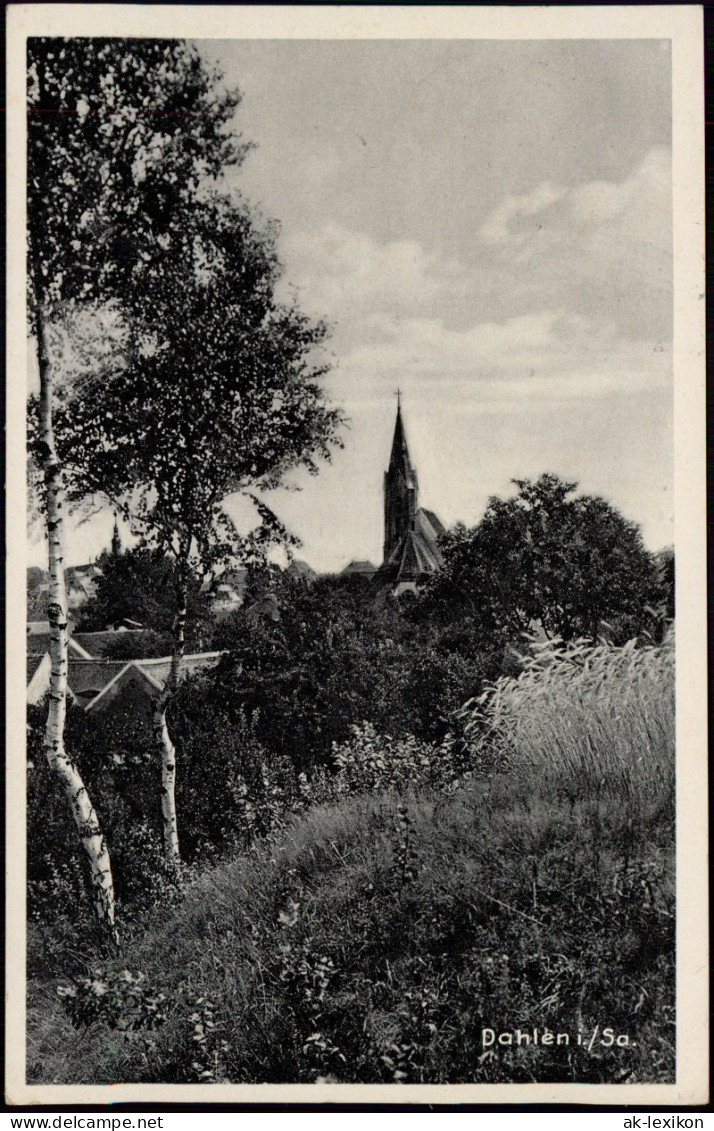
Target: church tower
(400, 491)
(411, 533)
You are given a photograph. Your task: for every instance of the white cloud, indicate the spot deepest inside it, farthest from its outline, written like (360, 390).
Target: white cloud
(638, 205)
(497, 225)
(545, 356)
(570, 300)
(599, 251)
(344, 274)
(601, 245)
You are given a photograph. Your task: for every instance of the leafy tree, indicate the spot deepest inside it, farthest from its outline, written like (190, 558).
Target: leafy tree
(220, 394)
(119, 133)
(329, 656)
(141, 584)
(571, 564)
(666, 573)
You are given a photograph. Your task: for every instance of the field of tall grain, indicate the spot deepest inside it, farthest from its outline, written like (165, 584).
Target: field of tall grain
(378, 937)
(585, 720)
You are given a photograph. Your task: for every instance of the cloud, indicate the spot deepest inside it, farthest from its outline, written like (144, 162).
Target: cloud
(600, 250)
(347, 276)
(491, 366)
(570, 299)
(498, 226)
(637, 205)
(600, 247)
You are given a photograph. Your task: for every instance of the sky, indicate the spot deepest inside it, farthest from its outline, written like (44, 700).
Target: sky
(486, 225)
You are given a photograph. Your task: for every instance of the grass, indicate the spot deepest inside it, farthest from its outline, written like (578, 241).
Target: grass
(586, 721)
(375, 939)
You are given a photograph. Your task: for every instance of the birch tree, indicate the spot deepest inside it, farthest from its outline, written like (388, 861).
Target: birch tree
(222, 394)
(119, 134)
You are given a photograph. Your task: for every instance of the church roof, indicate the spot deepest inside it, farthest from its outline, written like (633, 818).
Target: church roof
(435, 522)
(400, 460)
(417, 553)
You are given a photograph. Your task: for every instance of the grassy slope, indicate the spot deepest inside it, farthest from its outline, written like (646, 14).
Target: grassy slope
(503, 911)
(376, 938)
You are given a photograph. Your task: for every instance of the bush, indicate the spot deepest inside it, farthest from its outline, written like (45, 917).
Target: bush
(372, 763)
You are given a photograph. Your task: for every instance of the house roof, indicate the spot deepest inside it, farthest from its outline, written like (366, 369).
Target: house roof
(93, 674)
(33, 663)
(128, 673)
(95, 643)
(154, 673)
(359, 567)
(38, 640)
(38, 676)
(88, 678)
(299, 568)
(192, 664)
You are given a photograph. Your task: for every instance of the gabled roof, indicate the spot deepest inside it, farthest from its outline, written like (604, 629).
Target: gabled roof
(91, 679)
(39, 681)
(38, 640)
(196, 662)
(129, 673)
(37, 676)
(93, 674)
(33, 663)
(360, 567)
(299, 568)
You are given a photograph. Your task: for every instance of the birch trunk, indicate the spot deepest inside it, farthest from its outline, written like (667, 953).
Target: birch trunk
(60, 763)
(162, 738)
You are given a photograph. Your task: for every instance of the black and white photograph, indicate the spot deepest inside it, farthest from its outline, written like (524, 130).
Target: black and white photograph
(356, 460)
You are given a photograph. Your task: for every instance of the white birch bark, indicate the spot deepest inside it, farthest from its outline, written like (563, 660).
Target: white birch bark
(162, 738)
(60, 763)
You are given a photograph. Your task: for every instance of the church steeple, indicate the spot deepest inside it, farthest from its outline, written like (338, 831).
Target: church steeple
(116, 538)
(400, 490)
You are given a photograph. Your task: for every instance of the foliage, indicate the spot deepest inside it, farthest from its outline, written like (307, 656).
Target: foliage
(120, 999)
(118, 770)
(573, 565)
(120, 131)
(142, 584)
(376, 938)
(373, 941)
(335, 657)
(666, 571)
(219, 392)
(372, 763)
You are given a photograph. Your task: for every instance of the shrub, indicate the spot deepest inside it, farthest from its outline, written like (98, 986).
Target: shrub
(371, 763)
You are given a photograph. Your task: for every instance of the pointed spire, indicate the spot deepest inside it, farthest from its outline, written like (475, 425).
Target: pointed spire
(400, 458)
(116, 538)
